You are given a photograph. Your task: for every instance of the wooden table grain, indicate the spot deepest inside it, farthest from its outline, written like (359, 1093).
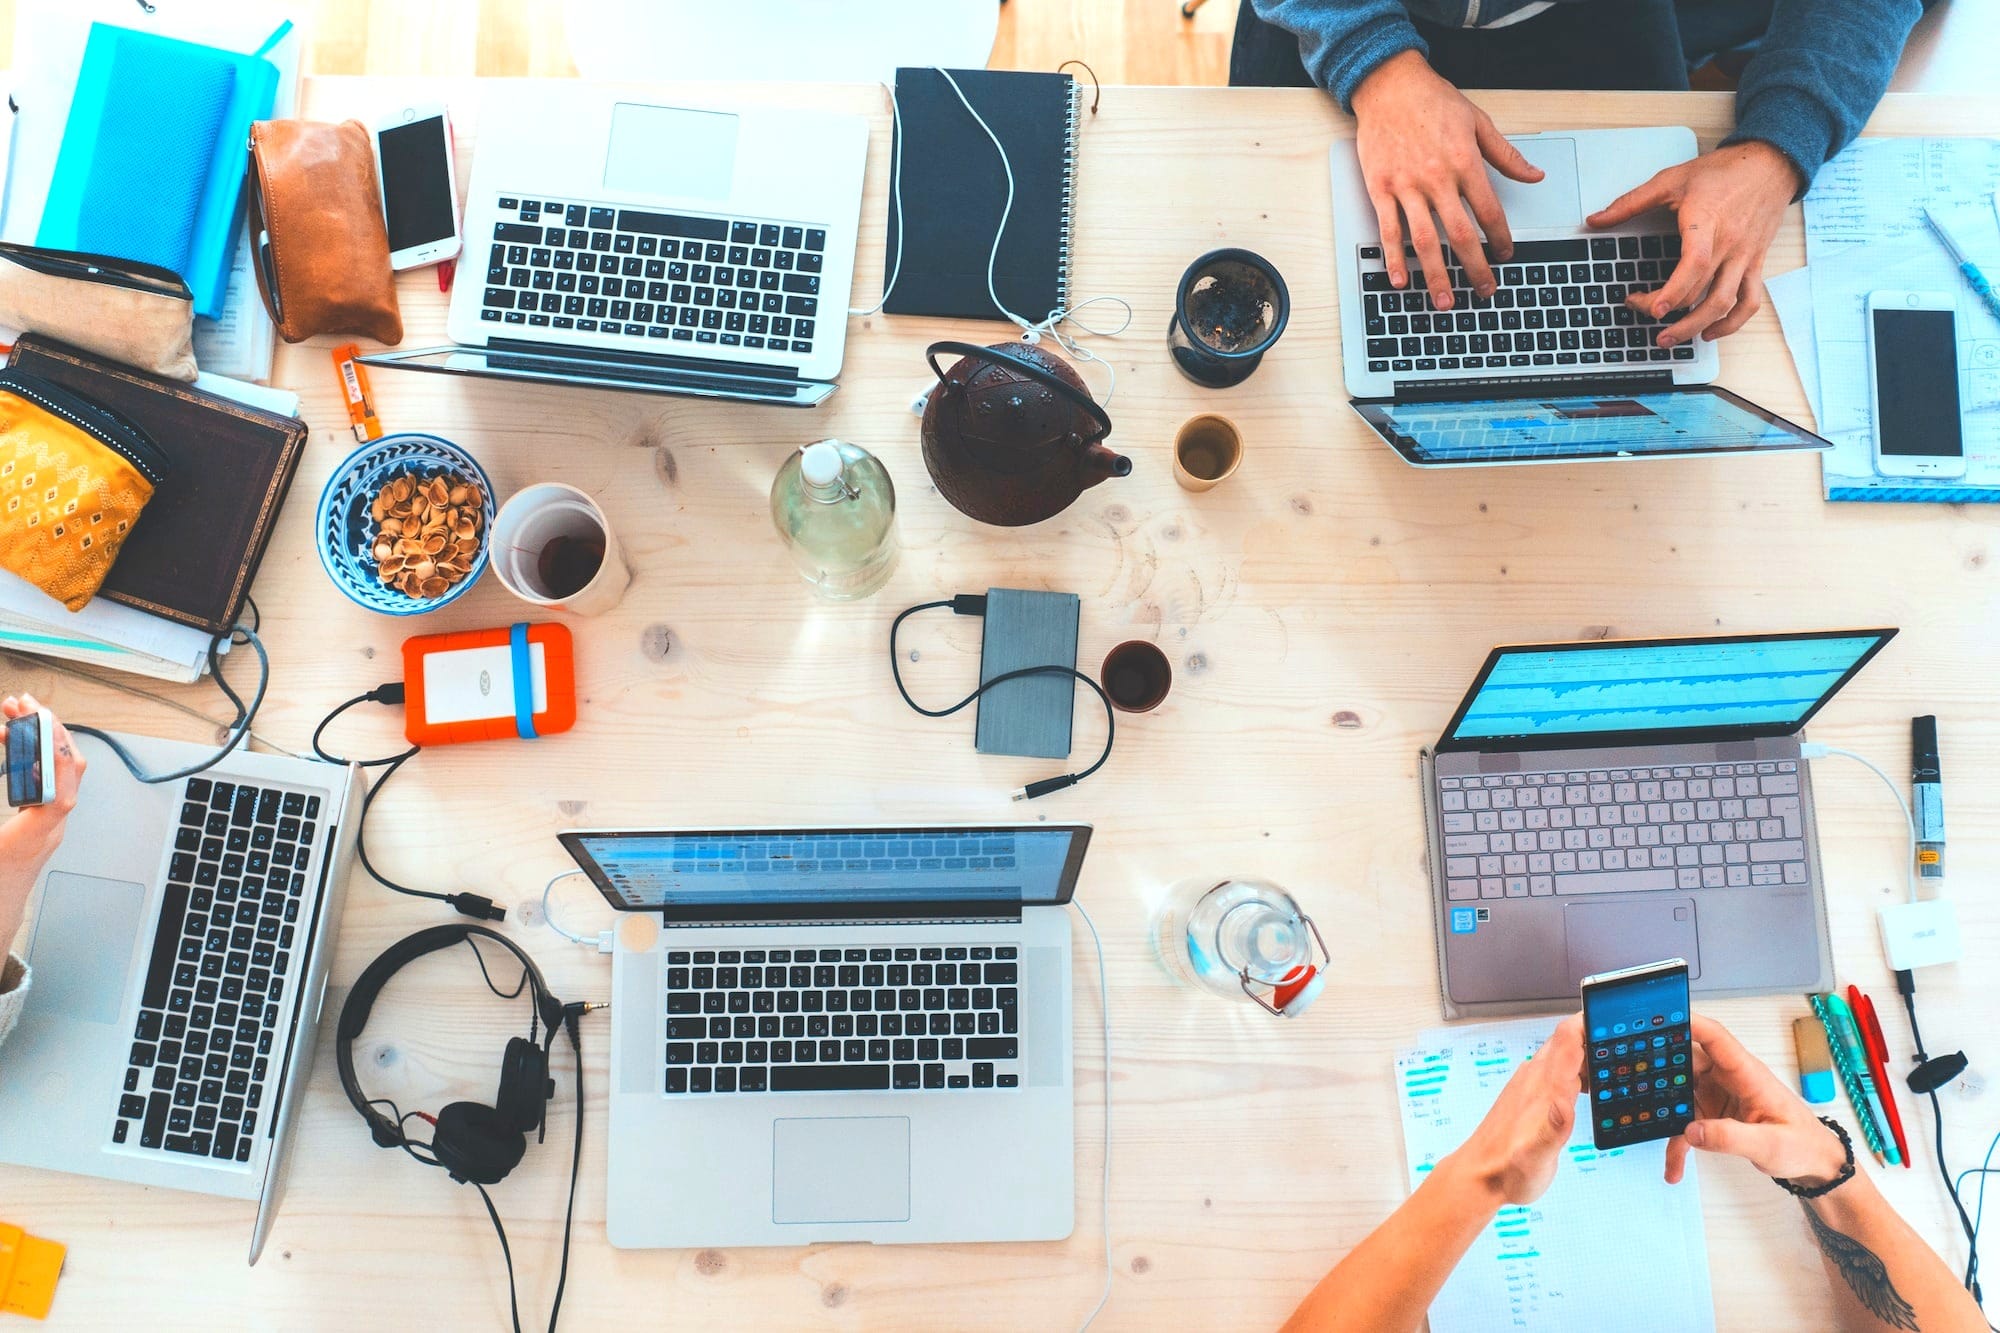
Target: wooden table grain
(1323, 612)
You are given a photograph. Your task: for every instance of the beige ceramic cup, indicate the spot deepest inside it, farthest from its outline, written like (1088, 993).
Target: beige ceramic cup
(550, 512)
(1207, 451)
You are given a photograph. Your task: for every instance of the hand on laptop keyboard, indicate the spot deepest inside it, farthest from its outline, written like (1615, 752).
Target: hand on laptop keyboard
(1423, 149)
(1729, 203)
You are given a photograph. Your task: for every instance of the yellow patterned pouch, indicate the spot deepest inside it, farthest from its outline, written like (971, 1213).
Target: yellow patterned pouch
(74, 477)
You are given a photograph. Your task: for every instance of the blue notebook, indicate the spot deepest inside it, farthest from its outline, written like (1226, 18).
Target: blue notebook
(153, 155)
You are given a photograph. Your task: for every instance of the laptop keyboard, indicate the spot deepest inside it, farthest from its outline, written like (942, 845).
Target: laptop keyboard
(838, 1020)
(221, 961)
(1699, 826)
(1558, 303)
(663, 277)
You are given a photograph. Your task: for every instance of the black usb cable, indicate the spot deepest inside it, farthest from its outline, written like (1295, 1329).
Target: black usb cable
(974, 604)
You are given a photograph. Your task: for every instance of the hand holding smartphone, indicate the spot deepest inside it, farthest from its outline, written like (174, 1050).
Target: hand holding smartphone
(1638, 1053)
(31, 759)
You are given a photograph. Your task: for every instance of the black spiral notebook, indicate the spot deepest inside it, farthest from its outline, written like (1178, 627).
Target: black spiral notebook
(954, 188)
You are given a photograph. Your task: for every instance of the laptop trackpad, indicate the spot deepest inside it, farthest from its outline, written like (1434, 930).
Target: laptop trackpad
(1603, 937)
(82, 949)
(851, 1169)
(1553, 201)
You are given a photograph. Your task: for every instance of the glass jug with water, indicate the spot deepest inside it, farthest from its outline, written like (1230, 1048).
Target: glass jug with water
(1242, 936)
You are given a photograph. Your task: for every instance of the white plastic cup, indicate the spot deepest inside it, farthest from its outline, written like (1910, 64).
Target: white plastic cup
(546, 512)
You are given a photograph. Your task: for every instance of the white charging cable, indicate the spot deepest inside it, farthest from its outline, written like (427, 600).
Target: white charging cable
(1104, 1008)
(1031, 331)
(601, 942)
(1813, 750)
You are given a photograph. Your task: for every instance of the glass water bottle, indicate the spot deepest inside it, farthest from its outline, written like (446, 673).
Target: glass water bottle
(835, 507)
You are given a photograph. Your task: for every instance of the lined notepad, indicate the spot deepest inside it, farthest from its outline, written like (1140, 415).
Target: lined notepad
(1563, 1264)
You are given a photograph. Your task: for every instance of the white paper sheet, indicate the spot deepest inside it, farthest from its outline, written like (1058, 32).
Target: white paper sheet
(1791, 299)
(1865, 232)
(1565, 1262)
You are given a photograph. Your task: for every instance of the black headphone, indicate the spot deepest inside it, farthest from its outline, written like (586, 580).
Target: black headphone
(472, 1141)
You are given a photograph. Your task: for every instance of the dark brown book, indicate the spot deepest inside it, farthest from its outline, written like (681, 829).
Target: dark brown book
(193, 553)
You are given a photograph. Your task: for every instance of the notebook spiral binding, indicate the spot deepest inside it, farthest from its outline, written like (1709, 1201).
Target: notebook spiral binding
(1076, 92)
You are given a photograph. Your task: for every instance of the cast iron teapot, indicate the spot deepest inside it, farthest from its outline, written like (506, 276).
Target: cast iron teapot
(1012, 435)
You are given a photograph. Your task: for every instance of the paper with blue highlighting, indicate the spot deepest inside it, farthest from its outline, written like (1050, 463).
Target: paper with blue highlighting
(1562, 1264)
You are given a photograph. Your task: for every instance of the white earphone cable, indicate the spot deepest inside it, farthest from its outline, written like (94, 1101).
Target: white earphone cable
(1812, 750)
(1104, 1008)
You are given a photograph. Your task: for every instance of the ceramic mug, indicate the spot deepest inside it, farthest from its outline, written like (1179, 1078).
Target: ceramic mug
(1207, 451)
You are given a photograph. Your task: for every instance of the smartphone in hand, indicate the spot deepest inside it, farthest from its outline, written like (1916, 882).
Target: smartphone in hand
(31, 759)
(1638, 1053)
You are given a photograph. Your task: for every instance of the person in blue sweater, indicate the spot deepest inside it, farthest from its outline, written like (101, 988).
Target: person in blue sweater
(1816, 71)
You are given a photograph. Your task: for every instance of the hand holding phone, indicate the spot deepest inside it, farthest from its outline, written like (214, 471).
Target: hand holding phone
(1745, 1110)
(413, 163)
(31, 759)
(1638, 1053)
(1913, 383)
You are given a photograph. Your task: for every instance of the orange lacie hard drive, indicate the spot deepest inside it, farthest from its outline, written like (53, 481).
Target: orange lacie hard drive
(516, 683)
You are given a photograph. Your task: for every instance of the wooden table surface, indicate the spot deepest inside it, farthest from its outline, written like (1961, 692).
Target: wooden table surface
(1323, 610)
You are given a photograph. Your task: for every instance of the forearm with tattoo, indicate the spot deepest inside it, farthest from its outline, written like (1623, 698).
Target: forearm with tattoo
(1864, 1273)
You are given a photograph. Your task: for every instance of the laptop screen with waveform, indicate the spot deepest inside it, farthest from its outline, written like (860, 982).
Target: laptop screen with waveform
(1724, 686)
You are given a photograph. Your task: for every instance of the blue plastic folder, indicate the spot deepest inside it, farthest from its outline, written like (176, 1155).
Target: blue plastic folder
(153, 155)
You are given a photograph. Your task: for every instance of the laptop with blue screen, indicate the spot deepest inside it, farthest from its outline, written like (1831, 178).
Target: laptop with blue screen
(811, 1027)
(1597, 805)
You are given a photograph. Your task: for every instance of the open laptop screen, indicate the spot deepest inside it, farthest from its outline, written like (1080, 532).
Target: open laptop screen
(803, 869)
(1694, 419)
(1719, 688)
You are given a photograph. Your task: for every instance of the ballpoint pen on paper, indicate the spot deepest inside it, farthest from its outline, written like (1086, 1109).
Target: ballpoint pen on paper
(1973, 277)
(1876, 1046)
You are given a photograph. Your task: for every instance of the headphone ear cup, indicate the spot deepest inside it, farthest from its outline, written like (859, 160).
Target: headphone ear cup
(524, 1085)
(475, 1144)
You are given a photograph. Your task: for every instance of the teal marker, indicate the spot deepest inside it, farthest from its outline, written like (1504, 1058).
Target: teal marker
(1973, 277)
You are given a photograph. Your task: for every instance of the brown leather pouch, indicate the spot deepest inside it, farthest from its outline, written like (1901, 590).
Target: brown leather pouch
(316, 220)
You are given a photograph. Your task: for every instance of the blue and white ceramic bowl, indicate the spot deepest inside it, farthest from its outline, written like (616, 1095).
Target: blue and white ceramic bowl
(346, 528)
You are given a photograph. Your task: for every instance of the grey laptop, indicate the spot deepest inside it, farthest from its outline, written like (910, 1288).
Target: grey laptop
(839, 1034)
(1553, 367)
(180, 947)
(1596, 805)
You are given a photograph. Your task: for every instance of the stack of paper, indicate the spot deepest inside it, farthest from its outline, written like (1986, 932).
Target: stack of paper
(1566, 1261)
(48, 51)
(1865, 232)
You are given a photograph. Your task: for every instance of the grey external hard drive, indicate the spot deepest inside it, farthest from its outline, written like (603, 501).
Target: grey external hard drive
(1031, 716)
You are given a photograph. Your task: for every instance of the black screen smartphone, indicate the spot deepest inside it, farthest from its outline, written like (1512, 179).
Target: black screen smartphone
(1638, 1053)
(31, 760)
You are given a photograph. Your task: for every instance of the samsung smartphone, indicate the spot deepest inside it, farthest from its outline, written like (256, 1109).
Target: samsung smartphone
(419, 187)
(31, 759)
(1638, 1053)
(1913, 380)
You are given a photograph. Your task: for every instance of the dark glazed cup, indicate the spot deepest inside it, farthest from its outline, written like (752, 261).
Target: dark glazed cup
(1137, 676)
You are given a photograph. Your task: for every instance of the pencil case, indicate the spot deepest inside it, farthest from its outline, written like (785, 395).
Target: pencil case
(316, 222)
(140, 314)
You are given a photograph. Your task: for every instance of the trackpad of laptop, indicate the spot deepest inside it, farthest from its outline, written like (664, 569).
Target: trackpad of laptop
(82, 950)
(1553, 201)
(845, 1169)
(1603, 937)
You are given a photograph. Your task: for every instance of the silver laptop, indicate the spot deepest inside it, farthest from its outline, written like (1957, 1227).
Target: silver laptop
(1552, 367)
(839, 1034)
(180, 949)
(621, 243)
(1601, 804)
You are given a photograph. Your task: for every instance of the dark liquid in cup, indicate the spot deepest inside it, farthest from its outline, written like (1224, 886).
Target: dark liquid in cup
(1137, 676)
(568, 564)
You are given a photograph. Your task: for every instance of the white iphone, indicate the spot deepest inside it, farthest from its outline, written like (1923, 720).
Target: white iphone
(1913, 384)
(413, 162)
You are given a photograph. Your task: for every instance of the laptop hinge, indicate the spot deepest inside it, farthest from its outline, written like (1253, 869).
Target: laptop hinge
(1536, 386)
(603, 356)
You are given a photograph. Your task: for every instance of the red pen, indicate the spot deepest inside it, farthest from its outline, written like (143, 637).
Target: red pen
(1878, 1063)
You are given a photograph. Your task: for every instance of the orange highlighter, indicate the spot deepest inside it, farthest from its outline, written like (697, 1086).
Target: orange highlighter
(1878, 1063)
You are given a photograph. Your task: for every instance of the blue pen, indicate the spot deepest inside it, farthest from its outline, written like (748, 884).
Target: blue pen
(1973, 276)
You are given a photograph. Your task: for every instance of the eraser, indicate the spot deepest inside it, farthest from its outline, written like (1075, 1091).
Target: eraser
(1816, 1083)
(29, 1267)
